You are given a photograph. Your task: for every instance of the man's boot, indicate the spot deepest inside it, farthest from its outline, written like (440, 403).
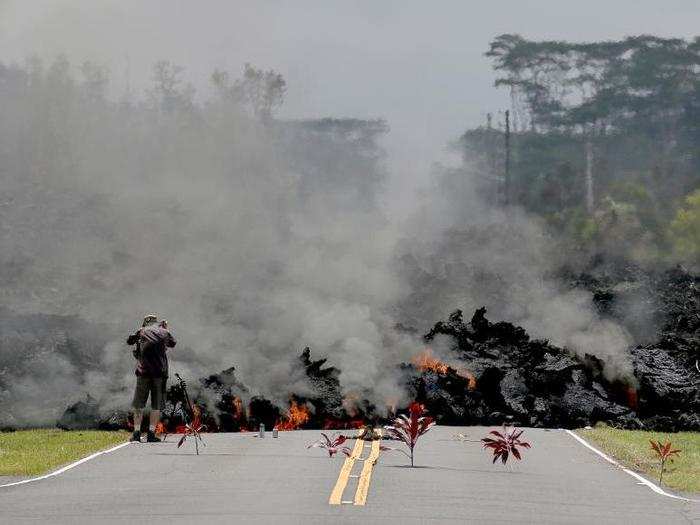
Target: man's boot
(151, 437)
(136, 436)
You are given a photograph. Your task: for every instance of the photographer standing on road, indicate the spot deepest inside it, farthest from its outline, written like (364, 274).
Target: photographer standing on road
(151, 341)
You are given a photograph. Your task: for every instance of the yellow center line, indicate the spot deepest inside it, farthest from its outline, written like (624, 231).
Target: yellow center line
(337, 494)
(366, 475)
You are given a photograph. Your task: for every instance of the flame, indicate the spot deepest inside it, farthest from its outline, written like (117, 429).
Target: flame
(338, 424)
(238, 411)
(466, 374)
(239, 414)
(427, 362)
(296, 416)
(196, 421)
(160, 428)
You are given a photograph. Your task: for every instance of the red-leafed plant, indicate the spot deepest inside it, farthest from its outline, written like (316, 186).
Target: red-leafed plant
(332, 445)
(505, 444)
(409, 428)
(665, 453)
(193, 428)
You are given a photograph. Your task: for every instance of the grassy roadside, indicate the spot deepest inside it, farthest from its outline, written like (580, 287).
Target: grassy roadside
(32, 452)
(632, 449)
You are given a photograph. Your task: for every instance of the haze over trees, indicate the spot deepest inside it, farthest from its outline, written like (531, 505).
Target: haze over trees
(66, 146)
(242, 228)
(259, 236)
(605, 138)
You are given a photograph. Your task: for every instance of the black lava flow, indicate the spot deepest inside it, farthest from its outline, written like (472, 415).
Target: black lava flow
(519, 380)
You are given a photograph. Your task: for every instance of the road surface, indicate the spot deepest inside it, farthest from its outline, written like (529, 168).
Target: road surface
(240, 478)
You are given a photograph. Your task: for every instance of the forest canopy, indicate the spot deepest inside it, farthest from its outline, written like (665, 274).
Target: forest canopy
(605, 137)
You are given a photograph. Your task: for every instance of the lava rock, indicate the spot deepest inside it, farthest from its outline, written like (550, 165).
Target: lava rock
(82, 415)
(514, 392)
(663, 382)
(525, 380)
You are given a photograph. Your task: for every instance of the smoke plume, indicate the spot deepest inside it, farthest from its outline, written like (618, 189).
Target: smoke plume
(253, 236)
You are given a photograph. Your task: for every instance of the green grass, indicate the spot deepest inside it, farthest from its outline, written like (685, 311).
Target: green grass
(32, 452)
(632, 449)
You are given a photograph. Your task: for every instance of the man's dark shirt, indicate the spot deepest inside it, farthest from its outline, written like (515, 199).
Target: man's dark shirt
(151, 342)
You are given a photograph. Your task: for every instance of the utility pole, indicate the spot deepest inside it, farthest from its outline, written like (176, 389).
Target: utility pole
(506, 180)
(590, 202)
(493, 154)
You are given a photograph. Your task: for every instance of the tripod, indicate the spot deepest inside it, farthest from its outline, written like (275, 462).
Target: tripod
(192, 426)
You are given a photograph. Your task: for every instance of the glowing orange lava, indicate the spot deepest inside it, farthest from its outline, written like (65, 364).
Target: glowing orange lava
(239, 414)
(426, 361)
(196, 420)
(238, 411)
(296, 416)
(340, 424)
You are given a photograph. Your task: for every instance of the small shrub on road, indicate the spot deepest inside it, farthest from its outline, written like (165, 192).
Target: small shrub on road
(332, 445)
(409, 429)
(505, 444)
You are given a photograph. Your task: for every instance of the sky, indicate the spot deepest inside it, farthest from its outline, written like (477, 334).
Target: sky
(420, 65)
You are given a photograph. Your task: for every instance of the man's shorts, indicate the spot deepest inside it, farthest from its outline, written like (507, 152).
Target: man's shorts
(146, 385)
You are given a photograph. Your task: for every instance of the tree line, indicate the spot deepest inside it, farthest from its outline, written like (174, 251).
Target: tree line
(605, 141)
(85, 165)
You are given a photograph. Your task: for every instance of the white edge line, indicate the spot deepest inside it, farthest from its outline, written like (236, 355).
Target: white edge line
(67, 467)
(642, 480)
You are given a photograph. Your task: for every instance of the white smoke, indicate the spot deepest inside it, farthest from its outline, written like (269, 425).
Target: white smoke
(460, 251)
(253, 238)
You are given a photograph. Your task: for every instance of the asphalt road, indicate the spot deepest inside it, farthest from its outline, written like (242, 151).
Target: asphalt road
(239, 478)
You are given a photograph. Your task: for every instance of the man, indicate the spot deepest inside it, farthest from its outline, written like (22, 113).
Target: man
(151, 371)
(164, 324)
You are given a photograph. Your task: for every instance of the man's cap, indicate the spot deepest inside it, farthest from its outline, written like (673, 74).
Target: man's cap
(150, 319)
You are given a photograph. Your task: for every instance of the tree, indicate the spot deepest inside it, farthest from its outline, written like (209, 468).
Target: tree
(593, 116)
(339, 156)
(685, 229)
(261, 92)
(596, 85)
(169, 93)
(95, 81)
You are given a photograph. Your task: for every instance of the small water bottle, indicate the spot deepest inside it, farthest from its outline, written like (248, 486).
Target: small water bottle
(262, 430)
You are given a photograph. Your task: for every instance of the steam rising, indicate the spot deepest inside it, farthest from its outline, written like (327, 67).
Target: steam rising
(253, 236)
(469, 253)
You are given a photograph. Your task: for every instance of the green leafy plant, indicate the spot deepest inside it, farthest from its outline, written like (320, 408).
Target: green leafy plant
(665, 453)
